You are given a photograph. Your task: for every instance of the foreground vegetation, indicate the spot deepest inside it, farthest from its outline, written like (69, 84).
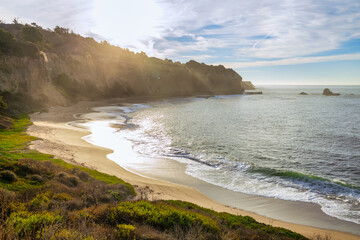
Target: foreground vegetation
(46, 198)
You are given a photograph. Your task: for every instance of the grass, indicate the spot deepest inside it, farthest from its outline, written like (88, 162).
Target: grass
(233, 221)
(161, 215)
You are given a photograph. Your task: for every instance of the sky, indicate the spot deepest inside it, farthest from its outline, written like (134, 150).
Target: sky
(265, 41)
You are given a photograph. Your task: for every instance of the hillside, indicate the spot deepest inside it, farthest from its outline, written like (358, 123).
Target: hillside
(59, 67)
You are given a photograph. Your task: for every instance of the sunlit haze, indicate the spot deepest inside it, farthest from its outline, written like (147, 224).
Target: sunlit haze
(266, 42)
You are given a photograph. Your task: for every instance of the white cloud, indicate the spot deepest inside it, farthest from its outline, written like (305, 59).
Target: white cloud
(293, 28)
(292, 61)
(73, 14)
(259, 29)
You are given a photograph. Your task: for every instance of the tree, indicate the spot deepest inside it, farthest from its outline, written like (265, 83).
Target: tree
(16, 21)
(61, 31)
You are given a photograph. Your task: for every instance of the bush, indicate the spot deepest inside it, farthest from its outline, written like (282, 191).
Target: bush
(84, 176)
(70, 181)
(125, 231)
(160, 215)
(40, 202)
(8, 176)
(31, 166)
(37, 178)
(26, 224)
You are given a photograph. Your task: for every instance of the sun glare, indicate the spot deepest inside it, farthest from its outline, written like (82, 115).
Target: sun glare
(126, 22)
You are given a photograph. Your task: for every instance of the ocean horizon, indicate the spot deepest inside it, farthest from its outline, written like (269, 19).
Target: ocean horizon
(279, 144)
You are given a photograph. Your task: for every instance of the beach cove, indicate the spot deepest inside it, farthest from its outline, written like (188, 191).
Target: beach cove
(66, 142)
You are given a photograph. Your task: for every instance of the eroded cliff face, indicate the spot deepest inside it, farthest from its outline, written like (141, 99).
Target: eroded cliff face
(72, 68)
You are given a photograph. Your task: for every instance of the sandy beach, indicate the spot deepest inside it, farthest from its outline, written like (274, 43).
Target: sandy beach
(65, 142)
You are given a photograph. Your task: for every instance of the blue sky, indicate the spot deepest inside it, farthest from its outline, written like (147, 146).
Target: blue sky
(265, 41)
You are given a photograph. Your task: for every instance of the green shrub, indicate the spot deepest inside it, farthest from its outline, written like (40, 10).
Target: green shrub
(30, 224)
(125, 231)
(40, 202)
(160, 215)
(61, 197)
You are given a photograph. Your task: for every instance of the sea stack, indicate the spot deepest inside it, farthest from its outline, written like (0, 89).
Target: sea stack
(327, 92)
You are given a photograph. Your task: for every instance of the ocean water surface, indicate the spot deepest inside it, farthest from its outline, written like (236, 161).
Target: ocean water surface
(279, 144)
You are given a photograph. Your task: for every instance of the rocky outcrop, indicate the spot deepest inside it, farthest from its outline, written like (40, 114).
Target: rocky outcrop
(247, 85)
(327, 92)
(303, 93)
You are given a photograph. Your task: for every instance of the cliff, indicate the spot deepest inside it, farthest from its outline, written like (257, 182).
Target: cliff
(60, 67)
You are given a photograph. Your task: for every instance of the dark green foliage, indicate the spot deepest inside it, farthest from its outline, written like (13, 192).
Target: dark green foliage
(32, 34)
(7, 43)
(10, 46)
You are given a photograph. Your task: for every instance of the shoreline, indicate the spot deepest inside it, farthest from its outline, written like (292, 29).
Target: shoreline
(65, 142)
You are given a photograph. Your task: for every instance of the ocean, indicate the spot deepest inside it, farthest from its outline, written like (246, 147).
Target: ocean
(279, 144)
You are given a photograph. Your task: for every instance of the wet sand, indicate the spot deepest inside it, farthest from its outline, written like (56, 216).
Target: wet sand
(168, 180)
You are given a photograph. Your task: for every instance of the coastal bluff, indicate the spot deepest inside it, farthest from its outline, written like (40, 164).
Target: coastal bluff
(59, 67)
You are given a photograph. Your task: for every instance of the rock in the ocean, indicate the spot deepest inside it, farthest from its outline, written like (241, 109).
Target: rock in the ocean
(303, 93)
(327, 92)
